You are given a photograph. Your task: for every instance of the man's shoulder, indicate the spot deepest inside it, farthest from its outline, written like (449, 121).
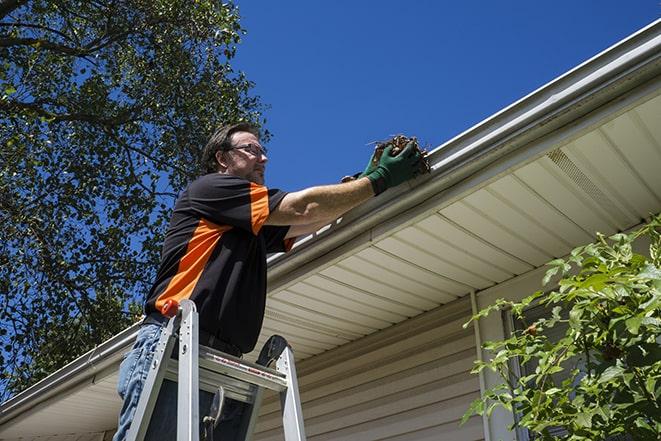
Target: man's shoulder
(218, 180)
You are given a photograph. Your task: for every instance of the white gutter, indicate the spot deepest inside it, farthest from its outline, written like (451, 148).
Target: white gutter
(78, 371)
(605, 77)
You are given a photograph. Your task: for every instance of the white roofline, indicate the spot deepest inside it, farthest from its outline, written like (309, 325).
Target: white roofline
(604, 77)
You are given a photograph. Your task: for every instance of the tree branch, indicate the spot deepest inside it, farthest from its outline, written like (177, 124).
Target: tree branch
(34, 26)
(144, 153)
(8, 6)
(46, 44)
(122, 118)
(46, 254)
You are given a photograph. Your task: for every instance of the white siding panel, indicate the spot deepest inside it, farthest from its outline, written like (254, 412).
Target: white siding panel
(456, 253)
(635, 142)
(603, 163)
(539, 210)
(586, 179)
(413, 387)
(351, 303)
(313, 316)
(515, 219)
(369, 284)
(296, 296)
(450, 275)
(547, 181)
(475, 246)
(495, 233)
(407, 269)
(345, 290)
(473, 430)
(320, 336)
(394, 276)
(650, 115)
(454, 262)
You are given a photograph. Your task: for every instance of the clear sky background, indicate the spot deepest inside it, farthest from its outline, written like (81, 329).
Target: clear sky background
(338, 75)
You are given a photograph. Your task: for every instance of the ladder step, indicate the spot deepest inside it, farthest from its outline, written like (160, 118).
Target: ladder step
(209, 381)
(234, 367)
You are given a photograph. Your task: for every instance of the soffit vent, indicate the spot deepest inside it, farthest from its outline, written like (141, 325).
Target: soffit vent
(573, 172)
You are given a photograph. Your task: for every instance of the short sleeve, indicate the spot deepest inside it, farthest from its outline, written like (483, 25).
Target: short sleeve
(231, 200)
(274, 236)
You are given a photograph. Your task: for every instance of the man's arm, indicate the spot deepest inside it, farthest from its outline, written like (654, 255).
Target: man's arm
(304, 230)
(317, 206)
(323, 204)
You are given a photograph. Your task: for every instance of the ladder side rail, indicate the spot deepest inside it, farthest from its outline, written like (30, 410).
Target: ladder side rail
(152, 385)
(292, 413)
(188, 412)
(250, 419)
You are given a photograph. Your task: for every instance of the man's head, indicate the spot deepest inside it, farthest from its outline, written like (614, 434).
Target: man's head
(235, 150)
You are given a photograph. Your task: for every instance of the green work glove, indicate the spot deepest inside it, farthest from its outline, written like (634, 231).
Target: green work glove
(370, 166)
(393, 170)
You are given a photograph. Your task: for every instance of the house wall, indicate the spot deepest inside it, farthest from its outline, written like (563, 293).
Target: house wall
(411, 381)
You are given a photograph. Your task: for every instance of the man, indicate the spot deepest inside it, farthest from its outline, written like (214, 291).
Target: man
(223, 225)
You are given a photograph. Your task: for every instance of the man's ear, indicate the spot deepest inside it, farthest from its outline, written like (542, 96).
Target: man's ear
(221, 161)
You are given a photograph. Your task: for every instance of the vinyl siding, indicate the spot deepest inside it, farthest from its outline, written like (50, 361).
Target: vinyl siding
(409, 382)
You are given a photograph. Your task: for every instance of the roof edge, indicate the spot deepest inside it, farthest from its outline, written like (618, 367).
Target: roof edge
(81, 369)
(603, 78)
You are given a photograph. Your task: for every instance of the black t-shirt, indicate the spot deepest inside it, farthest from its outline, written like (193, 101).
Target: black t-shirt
(215, 254)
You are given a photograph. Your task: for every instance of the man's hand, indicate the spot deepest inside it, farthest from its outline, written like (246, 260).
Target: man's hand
(394, 170)
(371, 165)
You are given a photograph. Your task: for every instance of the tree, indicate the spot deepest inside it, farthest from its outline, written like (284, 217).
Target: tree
(602, 378)
(104, 108)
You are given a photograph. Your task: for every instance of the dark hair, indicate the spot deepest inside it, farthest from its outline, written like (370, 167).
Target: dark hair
(221, 140)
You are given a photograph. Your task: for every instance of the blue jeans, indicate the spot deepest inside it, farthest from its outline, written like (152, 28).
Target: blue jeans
(163, 425)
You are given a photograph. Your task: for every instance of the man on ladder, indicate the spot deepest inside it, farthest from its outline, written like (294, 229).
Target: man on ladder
(222, 227)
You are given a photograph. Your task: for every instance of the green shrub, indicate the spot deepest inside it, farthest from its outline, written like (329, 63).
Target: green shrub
(609, 358)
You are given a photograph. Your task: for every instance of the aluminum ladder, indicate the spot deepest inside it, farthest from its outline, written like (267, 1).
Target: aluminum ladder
(219, 373)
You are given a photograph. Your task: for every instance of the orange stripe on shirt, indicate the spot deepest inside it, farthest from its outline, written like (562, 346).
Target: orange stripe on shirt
(259, 206)
(200, 246)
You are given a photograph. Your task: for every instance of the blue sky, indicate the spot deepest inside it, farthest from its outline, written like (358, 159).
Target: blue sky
(340, 74)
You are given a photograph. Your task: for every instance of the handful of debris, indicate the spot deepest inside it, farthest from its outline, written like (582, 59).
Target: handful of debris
(399, 142)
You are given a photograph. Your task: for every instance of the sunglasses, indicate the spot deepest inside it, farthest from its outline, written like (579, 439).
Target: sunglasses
(254, 149)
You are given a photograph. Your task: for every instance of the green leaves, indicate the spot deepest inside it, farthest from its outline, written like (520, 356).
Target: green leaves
(103, 120)
(602, 377)
(610, 373)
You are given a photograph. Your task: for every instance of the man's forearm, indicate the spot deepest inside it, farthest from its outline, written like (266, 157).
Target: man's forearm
(321, 204)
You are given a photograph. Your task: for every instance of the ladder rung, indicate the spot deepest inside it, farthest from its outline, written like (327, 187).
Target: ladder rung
(209, 381)
(231, 366)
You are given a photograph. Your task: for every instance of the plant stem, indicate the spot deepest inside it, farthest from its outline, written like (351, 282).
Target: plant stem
(641, 383)
(587, 357)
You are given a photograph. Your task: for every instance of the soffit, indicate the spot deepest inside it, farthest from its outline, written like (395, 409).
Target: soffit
(606, 180)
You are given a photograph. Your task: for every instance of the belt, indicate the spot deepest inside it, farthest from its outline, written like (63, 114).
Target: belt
(204, 338)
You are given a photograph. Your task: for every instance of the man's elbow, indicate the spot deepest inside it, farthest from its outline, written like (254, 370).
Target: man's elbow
(297, 209)
(305, 212)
